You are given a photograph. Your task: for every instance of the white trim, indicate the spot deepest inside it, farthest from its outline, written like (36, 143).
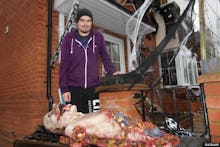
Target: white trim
(160, 70)
(61, 28)
(128, 41)
(120, 42)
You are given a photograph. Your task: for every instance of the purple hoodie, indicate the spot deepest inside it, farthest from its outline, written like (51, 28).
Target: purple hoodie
(79, 66)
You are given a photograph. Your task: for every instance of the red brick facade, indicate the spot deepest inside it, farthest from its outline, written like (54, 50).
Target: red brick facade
(211, 87)
(23, 59)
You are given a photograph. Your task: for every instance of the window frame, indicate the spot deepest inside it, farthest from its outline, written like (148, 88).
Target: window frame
(179, 70)
(120, 42)
(160, 65)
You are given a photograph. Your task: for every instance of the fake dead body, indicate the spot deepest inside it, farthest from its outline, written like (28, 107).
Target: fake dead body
(104, 128)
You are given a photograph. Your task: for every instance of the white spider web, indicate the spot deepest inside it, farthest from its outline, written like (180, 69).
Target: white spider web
(135, 30)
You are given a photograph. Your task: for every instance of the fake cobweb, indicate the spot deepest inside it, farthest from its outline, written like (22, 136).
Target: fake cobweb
(179, 30)
(136, 29)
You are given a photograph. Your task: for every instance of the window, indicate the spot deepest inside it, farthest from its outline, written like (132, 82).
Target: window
(115, 48)
(182, 71)
(114, 52)
(168, 68)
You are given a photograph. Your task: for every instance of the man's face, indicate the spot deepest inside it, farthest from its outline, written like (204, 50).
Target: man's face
(84, 24)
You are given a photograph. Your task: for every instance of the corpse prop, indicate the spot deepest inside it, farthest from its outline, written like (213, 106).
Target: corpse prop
(104, 128)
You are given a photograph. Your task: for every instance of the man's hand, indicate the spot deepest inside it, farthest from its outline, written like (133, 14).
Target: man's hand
(117, 73)
(66, 96)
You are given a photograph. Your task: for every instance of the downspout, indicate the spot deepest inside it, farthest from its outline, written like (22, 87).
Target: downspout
(49, 50)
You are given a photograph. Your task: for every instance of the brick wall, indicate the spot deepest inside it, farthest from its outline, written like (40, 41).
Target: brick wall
(212, 95)
(122, 101)
(164, 98)
(23, 59)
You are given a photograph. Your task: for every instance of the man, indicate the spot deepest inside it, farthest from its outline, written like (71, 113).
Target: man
(79, 68)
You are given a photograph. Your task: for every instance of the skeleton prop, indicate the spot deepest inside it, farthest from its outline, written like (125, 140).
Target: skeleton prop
(104, 128)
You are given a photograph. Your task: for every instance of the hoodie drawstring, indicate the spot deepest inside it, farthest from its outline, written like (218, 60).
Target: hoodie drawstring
(93, 46)
(71, 51)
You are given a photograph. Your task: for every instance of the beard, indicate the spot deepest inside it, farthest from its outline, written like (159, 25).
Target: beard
(84, 31)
